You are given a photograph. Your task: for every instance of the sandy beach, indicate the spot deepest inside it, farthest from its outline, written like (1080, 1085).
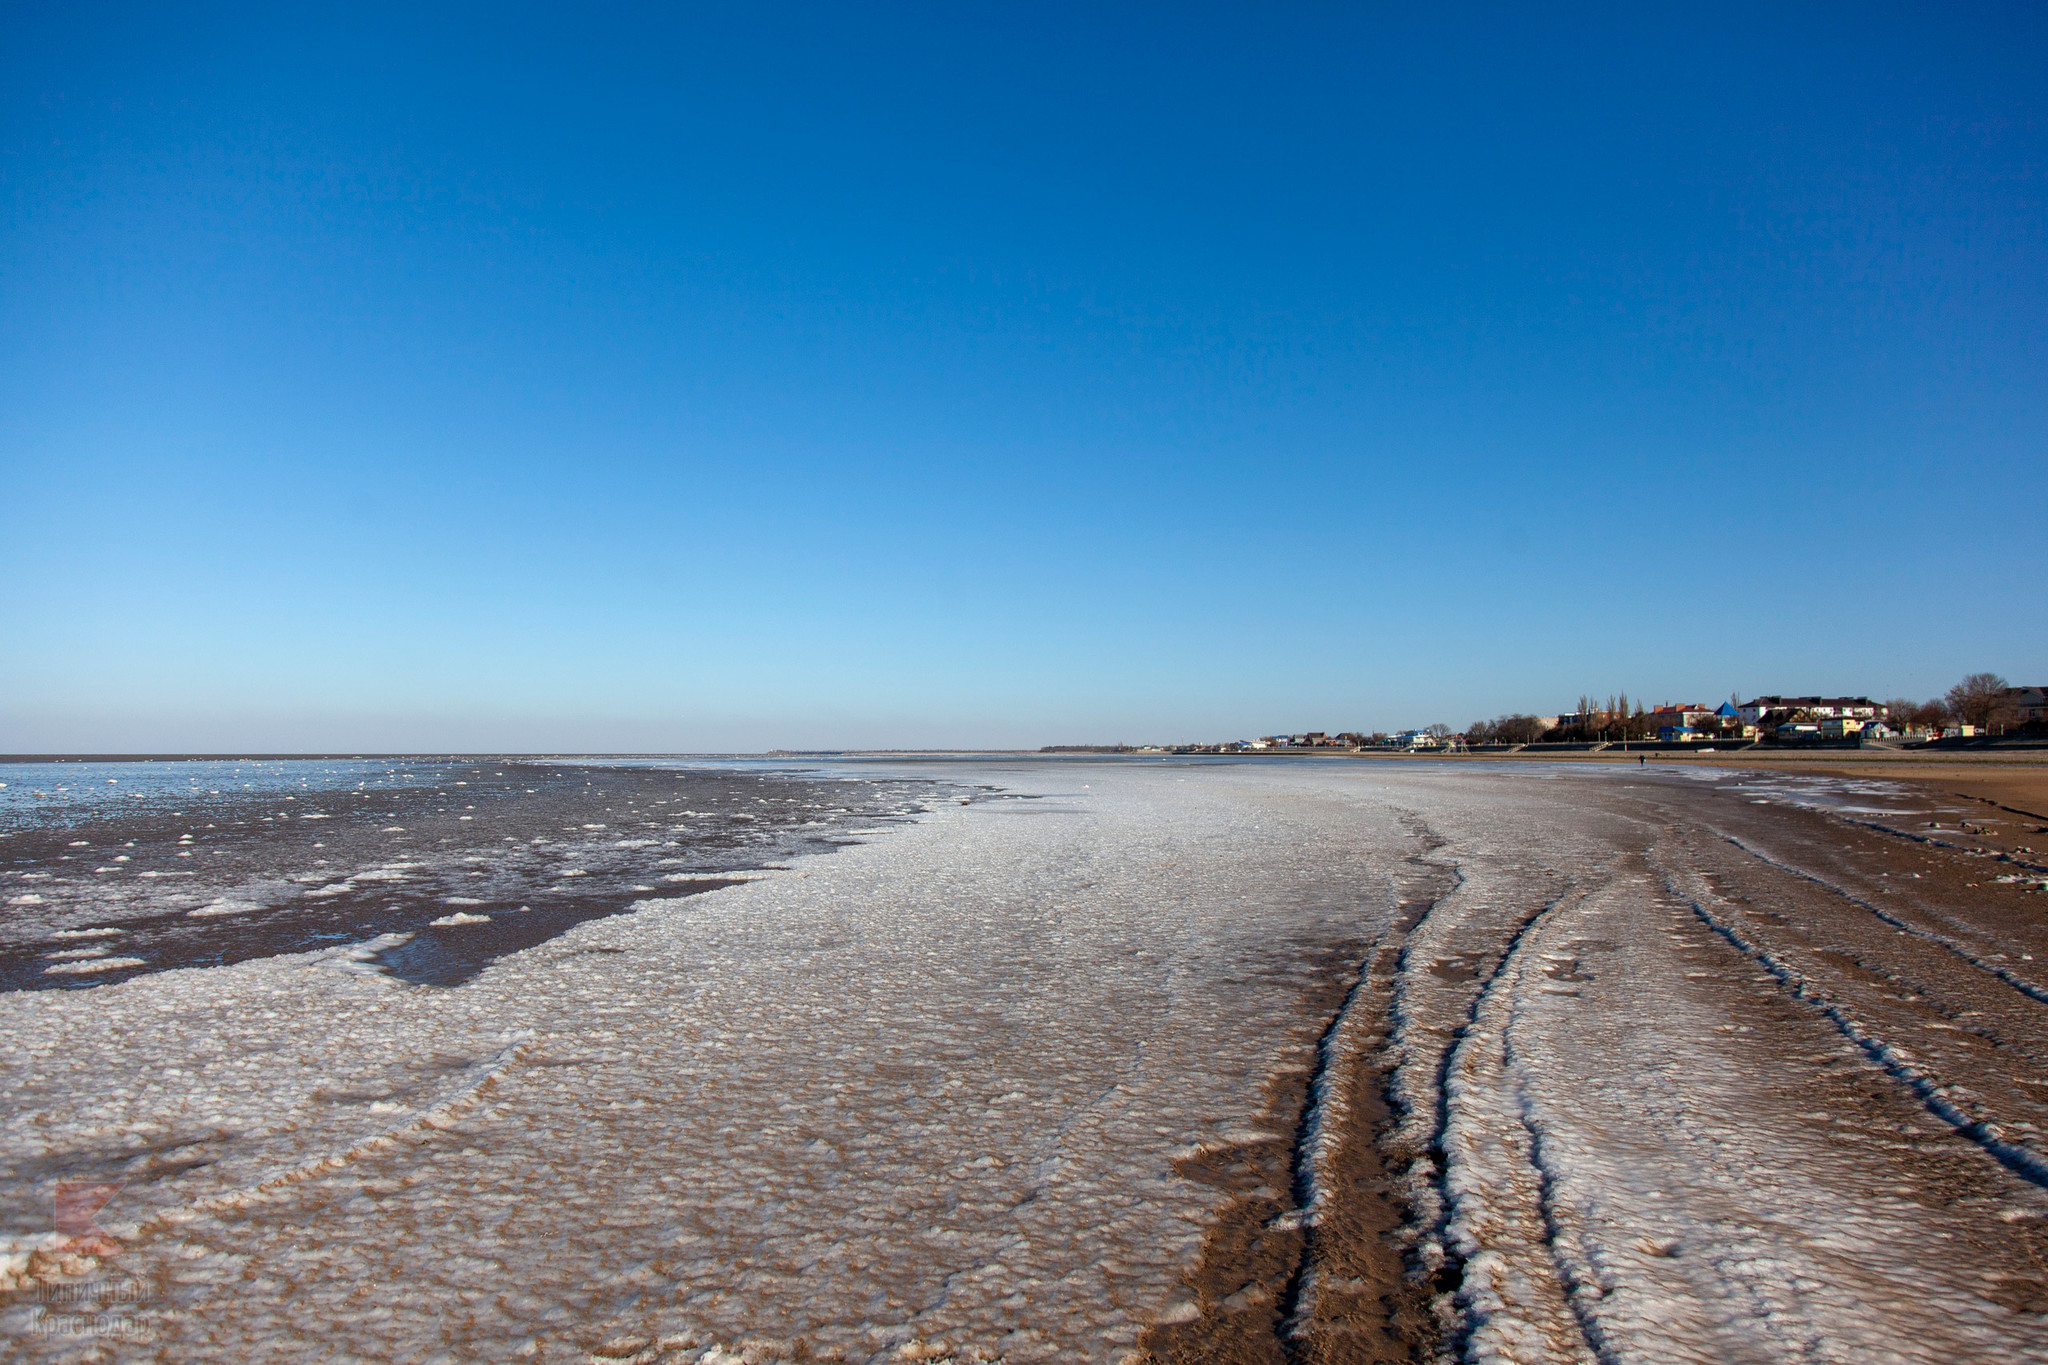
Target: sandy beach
(1117, 1061)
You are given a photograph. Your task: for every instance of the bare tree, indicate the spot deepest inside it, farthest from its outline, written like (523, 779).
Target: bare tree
(1926, 714)
(1978, 699)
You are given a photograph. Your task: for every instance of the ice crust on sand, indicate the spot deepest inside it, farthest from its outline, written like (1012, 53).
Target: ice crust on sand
(934, 1080)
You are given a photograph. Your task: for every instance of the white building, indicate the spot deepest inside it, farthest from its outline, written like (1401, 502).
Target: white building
(1821, 708)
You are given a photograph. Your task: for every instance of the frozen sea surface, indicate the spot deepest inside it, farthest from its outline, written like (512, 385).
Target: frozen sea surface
(939, 1095)
(110, 870)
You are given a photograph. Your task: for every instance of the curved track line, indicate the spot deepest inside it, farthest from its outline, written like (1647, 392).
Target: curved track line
(1985, 1132)
(2011, 978)
(1571, 1283)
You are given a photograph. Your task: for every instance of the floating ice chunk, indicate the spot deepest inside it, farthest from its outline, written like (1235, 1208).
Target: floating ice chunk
(459, 917)
(224, 906)
(99, 964)
(65, 953)
(85, 933)
(30, 899)
(362, 957)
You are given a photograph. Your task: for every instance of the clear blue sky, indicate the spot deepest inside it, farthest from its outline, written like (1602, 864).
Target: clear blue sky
(637, 377)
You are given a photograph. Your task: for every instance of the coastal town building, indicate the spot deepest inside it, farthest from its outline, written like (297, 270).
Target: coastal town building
(1820, 708)
(1681, 724)
(1769, 718)
(2026, 705)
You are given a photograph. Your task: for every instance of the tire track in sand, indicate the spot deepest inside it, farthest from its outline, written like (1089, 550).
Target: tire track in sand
(1981, 1128)
(1321, 1274)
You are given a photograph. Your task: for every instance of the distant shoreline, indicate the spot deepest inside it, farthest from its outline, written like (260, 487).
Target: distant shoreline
(2015, 779)
(1802, 757)
(360, 756)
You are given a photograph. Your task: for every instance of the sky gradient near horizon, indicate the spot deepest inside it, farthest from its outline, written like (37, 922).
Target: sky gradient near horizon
(651, 378)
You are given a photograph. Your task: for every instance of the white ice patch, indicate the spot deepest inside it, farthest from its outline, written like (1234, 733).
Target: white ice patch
(361, 958)
(447, 921)
(225, 906)
(103, 964)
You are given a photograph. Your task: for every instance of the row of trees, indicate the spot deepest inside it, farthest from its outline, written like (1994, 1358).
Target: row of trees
(1514, 729)
(1615, 719)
